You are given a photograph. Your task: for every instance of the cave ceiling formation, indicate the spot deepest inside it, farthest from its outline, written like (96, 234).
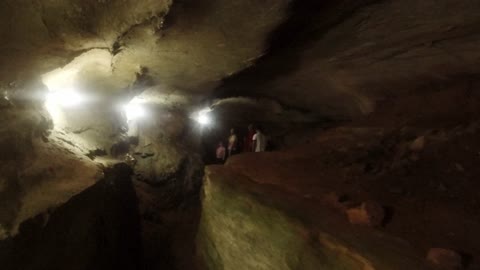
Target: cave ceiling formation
(185, 46)
(324, 57)
(345, 59)
(402, 66)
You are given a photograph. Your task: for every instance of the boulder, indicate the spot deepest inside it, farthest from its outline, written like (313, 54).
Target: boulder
(246, 225)
(368, 214)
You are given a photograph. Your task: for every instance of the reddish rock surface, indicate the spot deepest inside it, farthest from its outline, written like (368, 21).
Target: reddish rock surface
(427, 200)
(444, 259)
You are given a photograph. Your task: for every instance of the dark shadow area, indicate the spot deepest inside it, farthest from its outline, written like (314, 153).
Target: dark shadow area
(97, 229)
(308, 21)
(168, 233)
(115, 224)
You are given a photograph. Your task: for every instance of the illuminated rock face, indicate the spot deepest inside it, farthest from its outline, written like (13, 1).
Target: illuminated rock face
(39, 171)
(321, 56)
(107, 52)
(349, 199)
(244, 226)
(187, 47)
(71, 72)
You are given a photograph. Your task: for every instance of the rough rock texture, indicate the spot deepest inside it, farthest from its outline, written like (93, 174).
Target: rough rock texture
(38, 170)
(97, 229)
(249, 226)
(267, 202)
(165, 155)
(201, 43)
(161, 149)
(323, 56)
(109, 52)
(118, 223)
(406, 71)
(43, 35)
(194, 45)
(344, 58)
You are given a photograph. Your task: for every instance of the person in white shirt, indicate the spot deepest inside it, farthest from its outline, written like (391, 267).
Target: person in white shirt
(259, 141)
(220, 153)
(232, 143)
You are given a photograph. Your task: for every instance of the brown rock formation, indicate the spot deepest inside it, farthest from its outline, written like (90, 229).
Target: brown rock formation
(362, 101)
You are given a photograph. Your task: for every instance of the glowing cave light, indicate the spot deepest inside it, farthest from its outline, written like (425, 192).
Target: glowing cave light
(55, 101)
(66, 98)
(134, 111)
(203, 118)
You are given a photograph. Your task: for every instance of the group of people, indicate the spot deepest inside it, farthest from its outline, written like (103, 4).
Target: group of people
(254, 141)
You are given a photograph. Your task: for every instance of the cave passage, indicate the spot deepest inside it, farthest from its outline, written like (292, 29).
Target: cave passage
(239, 135)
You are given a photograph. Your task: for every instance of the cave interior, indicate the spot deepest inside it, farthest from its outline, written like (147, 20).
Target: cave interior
(112, 111)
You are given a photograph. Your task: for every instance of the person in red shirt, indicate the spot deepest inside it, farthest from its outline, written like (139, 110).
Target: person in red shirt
(248, 140)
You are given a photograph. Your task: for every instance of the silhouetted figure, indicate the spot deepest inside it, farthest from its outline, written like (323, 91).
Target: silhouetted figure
(259, 140)
(220, 153)
(232, 143)
(248, 140)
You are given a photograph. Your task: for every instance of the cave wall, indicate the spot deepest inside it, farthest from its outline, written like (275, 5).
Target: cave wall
(39, 171)
(166, 153)
(110, 52)
(96, 229)
(249, 226)
(356, 197)
(385, 64)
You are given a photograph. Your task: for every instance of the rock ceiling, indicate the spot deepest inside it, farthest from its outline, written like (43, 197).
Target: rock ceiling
(184, 46)
(336, 58)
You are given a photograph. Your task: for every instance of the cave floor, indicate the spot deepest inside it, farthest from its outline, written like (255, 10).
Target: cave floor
(424, 178)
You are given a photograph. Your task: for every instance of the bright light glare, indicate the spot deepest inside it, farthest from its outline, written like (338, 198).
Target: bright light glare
(134, 111)
(66, 98)
(203, 118)
(56, 100)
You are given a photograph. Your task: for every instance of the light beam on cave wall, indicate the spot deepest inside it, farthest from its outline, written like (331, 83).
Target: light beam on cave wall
(68, 87)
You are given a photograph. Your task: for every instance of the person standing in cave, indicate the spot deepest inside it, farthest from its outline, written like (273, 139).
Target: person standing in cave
(248, 140)
(259, 140)
(232, 143)
(220, 153)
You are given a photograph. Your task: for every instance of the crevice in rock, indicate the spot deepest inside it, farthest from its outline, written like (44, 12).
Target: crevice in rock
(97, 229)
(156, 21)
(118, 223)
